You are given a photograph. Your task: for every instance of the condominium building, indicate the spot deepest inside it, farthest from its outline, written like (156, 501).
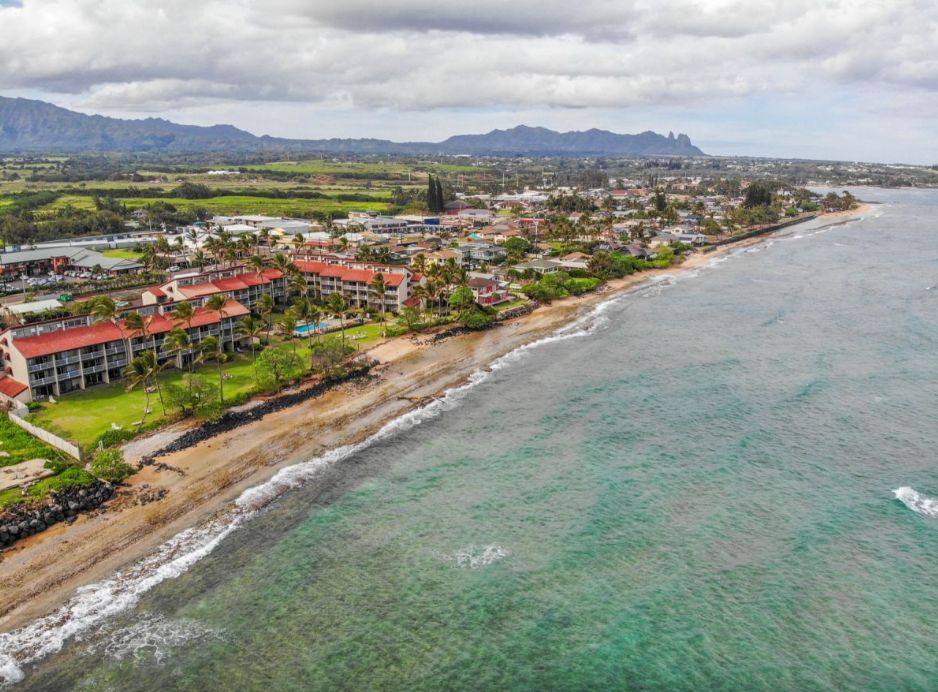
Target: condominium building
(61, 356)
(236, 283)
(355, 281)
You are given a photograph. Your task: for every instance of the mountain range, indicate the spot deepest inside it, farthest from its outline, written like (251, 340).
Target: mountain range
(36, 126)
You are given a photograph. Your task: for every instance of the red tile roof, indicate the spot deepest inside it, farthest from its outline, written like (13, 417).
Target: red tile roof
(67, 339)
(233, 283)
(338, 271)
(102, 333)
(12, 388)
(199, 290)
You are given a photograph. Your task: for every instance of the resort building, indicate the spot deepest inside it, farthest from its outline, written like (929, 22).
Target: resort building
(355, 281)
(61, 356)
(235, 284)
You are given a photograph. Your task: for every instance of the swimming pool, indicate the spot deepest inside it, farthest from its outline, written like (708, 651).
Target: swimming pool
(305, 329)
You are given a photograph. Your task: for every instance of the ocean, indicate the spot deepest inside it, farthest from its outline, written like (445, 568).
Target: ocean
(693, 487)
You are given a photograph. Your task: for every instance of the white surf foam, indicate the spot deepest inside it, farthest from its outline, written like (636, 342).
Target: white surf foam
(152, 637)
(95, 603)
(477, 556)
(918, 503)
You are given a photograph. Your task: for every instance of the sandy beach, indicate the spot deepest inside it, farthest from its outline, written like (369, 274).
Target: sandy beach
(201, 482)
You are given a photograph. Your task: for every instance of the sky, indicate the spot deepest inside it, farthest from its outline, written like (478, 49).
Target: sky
(821, 79)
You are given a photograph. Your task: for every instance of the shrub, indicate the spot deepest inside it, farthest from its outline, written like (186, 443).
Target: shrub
(71, 476)
(110, 438)
(109, 466)
(477, 320)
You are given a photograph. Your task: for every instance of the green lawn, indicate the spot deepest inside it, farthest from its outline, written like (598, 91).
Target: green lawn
(20, 445)
(123, 254)
(84, 416)
(517, 303)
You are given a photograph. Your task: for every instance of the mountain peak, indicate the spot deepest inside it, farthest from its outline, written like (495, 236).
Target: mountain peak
(28, 125)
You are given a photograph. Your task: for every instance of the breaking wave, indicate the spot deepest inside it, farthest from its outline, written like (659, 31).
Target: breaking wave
(152, 637)
(918, 503)
(477, 556)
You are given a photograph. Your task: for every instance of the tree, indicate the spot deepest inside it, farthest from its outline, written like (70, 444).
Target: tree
(211, 348)
(660, 200)
(757, 195)
(329, 353)
(265, 308)
(411, 317)
(462, 298)
(178, 342)
(141, 324)
(199, 259)
(279, 364)
(138, 374)
(251, 329)
(194, 396)
(378, 285)
(338, 305)
(109, 465)
(287, 327)
(311, 315)
(104, 309)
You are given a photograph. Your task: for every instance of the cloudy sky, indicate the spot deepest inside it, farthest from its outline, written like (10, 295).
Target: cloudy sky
(844, 79)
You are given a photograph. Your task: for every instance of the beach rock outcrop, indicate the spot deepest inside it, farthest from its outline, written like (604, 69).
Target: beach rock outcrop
(22, 520)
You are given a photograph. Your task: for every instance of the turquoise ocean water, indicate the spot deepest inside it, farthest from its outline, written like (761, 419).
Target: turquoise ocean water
(691, 489)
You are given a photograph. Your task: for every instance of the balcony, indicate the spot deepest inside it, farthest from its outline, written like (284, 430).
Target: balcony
(66, 360)
(41, 381)
(40, 366)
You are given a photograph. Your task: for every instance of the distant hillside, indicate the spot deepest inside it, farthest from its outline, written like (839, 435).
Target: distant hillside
(539, 140)
(36, 126)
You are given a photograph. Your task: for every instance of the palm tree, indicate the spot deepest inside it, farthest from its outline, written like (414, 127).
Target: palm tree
(425, 294)
(140, 324)
(265, 308)
(250, 329)
(138, 373)
(178, 342)
(200, 259)
(310, 314)
(258, 264)
(212, 349)
(378, 284)
(217, 304)
(284, 264)
(297, 285)
(419, 263)
(339, 305)
(287, 327)
(104, 309)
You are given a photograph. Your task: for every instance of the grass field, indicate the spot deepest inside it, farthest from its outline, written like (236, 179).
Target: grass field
(123, 254)
(233, 204)
(19, 445)
(317, 167)
(84, 416)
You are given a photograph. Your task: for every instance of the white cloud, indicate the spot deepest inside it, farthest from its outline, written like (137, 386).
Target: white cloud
(413, 56)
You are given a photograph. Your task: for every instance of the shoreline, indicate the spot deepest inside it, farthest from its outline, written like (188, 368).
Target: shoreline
(43, 572)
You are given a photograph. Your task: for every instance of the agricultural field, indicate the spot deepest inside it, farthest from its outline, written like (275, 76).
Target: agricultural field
(317, 167)
(234, 204)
